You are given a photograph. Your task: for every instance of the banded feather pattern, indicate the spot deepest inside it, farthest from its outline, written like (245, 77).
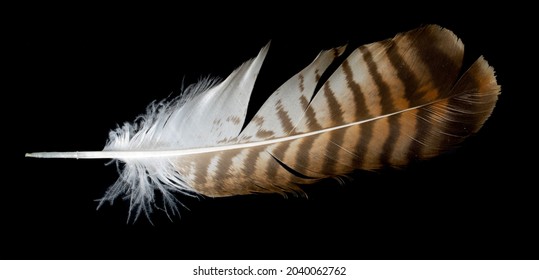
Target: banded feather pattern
(386, 104)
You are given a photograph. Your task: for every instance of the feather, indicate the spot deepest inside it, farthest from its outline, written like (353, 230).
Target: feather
(387, 103)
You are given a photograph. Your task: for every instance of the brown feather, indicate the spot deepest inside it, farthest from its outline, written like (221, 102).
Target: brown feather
(386, 104)
(417, 69)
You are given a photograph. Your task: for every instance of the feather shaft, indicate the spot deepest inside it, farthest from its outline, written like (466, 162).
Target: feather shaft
(196, 151)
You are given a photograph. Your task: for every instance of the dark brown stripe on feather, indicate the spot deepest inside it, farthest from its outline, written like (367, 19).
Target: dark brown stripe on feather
(264, 134)
(249, 163)
(366, 132)
(223, 166)
(406, 75)
(332, 159)
(362, 111)
(312, 123)
(285, 120)
(336, 137)
(442, 68)
(383, 89)
(387, 106)
(411, 89)
(334, 106)
(303, 162)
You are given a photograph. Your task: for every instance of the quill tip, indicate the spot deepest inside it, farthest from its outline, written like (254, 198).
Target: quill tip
(33, 155)
(36, 155)
(52, 155)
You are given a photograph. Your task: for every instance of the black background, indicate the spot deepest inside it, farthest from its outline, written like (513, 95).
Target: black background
(81, 71)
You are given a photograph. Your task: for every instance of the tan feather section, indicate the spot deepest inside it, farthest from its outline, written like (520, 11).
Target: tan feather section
(403, 96)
